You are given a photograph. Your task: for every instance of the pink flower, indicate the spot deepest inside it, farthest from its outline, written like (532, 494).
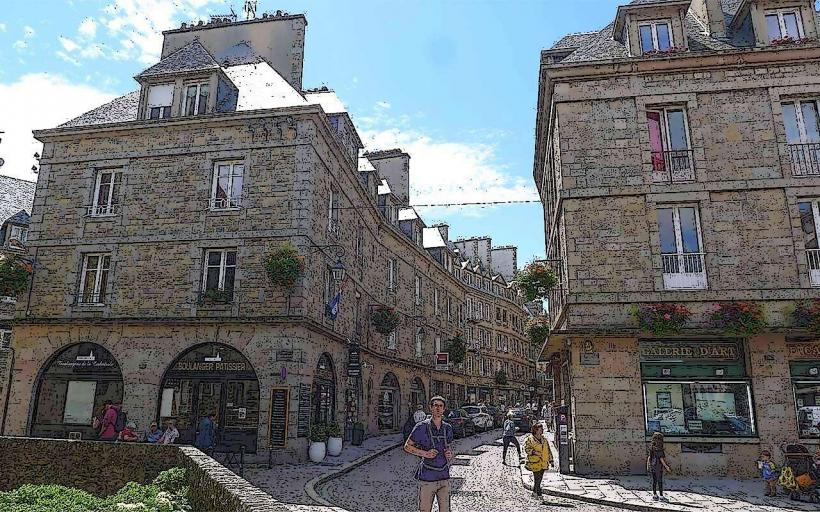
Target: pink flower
(667, 317)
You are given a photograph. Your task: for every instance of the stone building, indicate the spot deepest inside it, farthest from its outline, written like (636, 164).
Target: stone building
(153, 220)
(677, 162)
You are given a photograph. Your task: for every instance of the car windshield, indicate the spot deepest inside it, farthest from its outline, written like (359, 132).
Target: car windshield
(472, 410)
(517, 412)
(453, 414)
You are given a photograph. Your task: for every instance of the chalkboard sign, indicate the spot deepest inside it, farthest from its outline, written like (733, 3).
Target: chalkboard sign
(279, 417)
(303, 416)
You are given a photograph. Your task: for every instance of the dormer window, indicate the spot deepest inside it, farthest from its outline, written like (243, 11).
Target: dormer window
(160, 98)
(783, 24)
(196, 99)
(656, 36)
(19, 233)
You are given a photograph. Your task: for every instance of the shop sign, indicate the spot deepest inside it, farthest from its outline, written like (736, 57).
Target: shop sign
(591, 359)
(689, 351)
(354, 361)
(804, 350)
(84, 361)
(442, 360)
(210, 366)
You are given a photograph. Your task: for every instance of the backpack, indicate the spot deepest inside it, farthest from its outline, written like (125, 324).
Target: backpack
(121, 421)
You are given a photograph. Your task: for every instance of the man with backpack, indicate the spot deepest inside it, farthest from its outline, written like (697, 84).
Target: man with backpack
(110, 421)
(431, 440)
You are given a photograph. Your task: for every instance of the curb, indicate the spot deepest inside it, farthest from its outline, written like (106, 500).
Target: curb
(310, 487)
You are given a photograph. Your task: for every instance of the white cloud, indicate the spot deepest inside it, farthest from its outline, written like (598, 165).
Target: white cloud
(37, 101)
(28, 32)
(20, 45)
(68, 44)
(88, 28)
(383, 104)
(2, 27)
(67, 58)
(444, 171)
(92, 51)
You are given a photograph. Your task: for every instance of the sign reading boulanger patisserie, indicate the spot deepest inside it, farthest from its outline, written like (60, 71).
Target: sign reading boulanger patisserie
(720, 351)
(809, 350)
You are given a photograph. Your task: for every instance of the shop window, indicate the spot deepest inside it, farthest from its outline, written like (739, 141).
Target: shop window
(79, 402)
(806, 383)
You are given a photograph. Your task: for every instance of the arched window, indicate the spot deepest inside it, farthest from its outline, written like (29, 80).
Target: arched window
(324, 391)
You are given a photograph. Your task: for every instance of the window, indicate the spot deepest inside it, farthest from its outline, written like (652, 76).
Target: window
(671, 153)
(699, 408)
(681, 243)
(449, 308)
(419, 340)
(418, 290)
(94, 279)
(806, 385)
(160, 98)
(5, 338)
(106, 194)
(435, 302)
(196, 99)
(391, 340)
(18, 233)
(333, 212)
(809, 222)
(783, 24)
(802, 123)
(219, 275)
(360, 243)
(391, 274)
(656, 36)
(226, 190)
(79, 402)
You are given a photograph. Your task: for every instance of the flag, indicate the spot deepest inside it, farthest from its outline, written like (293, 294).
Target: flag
(333, 307)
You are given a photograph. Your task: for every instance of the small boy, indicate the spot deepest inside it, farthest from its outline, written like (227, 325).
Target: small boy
(769, 472)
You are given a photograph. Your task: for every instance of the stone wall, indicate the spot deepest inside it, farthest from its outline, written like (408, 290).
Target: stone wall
(103, 468)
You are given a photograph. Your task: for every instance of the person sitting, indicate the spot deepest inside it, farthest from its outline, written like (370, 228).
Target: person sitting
(171, 433)
(128, 434)
(154, 433)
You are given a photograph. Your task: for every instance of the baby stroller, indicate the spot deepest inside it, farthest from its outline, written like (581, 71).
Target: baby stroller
(799, 476)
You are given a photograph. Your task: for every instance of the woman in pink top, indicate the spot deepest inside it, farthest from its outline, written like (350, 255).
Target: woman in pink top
(108, 431)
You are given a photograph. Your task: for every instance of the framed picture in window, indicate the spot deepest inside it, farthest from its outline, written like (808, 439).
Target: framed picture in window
(664, 399)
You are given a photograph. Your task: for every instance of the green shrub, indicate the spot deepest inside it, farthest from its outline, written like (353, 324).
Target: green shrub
(334, 430)
(172, 480)
(47, 498)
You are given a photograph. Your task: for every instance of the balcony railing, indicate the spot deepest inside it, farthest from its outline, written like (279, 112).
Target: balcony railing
(214, 297)
(673, 166)
(686, 271)
(224, 203)
(102, 210)
(805, 159)
(813, 259)
(88, 298)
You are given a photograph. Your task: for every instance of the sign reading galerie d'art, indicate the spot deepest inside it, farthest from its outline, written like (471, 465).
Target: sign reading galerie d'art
(664, 351)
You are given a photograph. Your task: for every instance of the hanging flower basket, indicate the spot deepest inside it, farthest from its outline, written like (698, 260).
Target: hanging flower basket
(535, 281)
(457, 349)
(284, 266)
(806, 315)
(385, 320)
(538, 328)
(662, 318)
(501, 378)
(739, 318)
(14, 274)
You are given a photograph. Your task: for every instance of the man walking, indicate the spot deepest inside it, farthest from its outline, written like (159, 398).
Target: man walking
(419, 415)
(509, 437)
(431, 440)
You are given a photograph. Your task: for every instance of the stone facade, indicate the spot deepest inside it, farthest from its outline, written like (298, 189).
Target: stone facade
(604, 182)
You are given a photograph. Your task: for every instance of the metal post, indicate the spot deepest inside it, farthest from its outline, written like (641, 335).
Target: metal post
(242, 461)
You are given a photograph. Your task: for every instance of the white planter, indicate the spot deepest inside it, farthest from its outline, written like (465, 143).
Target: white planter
(334, 446)
(317, 452)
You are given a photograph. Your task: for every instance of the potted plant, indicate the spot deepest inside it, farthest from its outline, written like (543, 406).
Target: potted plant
(501, 378)
(284, 266)
(739, 318)
(334, 440)
(538, 328)
(662, 318)
(385, 319)
(535, 280)
(806, 315)
(318, 438)
(14, 274)
(457, 349)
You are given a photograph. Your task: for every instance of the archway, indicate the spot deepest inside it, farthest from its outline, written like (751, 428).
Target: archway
(324, 392)
(213, 379)
(71, 390)
(417, 395)
(389, 403)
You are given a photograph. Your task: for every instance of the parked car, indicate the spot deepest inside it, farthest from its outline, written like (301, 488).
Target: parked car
(462, 424)
(497, 414)
(482, 419)
(521, 418)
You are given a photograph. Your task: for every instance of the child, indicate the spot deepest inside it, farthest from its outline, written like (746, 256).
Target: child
(656, 464)
(769, 471)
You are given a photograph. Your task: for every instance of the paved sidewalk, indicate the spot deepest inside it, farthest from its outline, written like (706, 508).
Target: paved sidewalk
(286, 482)
(635, 492)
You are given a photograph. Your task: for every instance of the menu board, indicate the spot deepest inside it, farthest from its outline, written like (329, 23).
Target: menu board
(279, 417)
(303, 415)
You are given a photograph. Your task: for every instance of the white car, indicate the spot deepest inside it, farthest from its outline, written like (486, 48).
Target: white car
(482, 419)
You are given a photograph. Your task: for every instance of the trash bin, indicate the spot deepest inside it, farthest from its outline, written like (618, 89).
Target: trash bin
(358, 434)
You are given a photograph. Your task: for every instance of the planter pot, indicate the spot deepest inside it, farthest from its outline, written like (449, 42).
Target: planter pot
(317, 452)
(334, 446)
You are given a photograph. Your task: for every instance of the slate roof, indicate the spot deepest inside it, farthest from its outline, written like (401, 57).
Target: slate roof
(191, 57)
(16, 197)
(432, 238)
(574, 40)
(118, 110)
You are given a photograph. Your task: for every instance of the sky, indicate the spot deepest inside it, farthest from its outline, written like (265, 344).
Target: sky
(452, 82)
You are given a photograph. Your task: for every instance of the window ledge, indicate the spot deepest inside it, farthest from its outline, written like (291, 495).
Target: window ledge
(707, 439)
(224, 211)
(110, 216)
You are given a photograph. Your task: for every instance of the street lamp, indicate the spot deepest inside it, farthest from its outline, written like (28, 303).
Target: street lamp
(338, 271)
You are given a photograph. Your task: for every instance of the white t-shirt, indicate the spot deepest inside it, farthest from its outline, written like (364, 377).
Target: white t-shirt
(419, 416)
(171, 434)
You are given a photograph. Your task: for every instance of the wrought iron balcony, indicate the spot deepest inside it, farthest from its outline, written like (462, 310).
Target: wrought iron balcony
(805, 159)
(213, 297)
(89, 298)
(224, 203)
(684, 271)
(813, 259)
(673, 166)
(102, 210)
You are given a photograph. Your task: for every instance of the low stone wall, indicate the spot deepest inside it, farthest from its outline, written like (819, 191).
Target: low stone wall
(103, 468)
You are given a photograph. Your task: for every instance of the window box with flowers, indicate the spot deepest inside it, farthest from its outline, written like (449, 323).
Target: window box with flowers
(806, 315)
(385, 320)
(788, 40)
(14, 274)
(284, 266)
(538, 328)
(669, 51)
(739, 318)
(535, 280)
(662, 318)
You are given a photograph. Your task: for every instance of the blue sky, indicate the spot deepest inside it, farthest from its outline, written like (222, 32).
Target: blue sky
(453, 82)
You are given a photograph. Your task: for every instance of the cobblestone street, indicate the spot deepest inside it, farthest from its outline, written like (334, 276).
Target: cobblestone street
(479, 482)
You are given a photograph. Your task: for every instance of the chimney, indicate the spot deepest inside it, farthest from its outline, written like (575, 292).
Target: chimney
(444, 231)
(710, 13)
(394, 166)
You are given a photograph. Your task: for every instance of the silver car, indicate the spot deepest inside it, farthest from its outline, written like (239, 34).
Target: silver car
(482, 419)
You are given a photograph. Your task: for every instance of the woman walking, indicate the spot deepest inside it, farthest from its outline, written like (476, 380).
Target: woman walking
(656, 464)
(509, 438)
(539, 456)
